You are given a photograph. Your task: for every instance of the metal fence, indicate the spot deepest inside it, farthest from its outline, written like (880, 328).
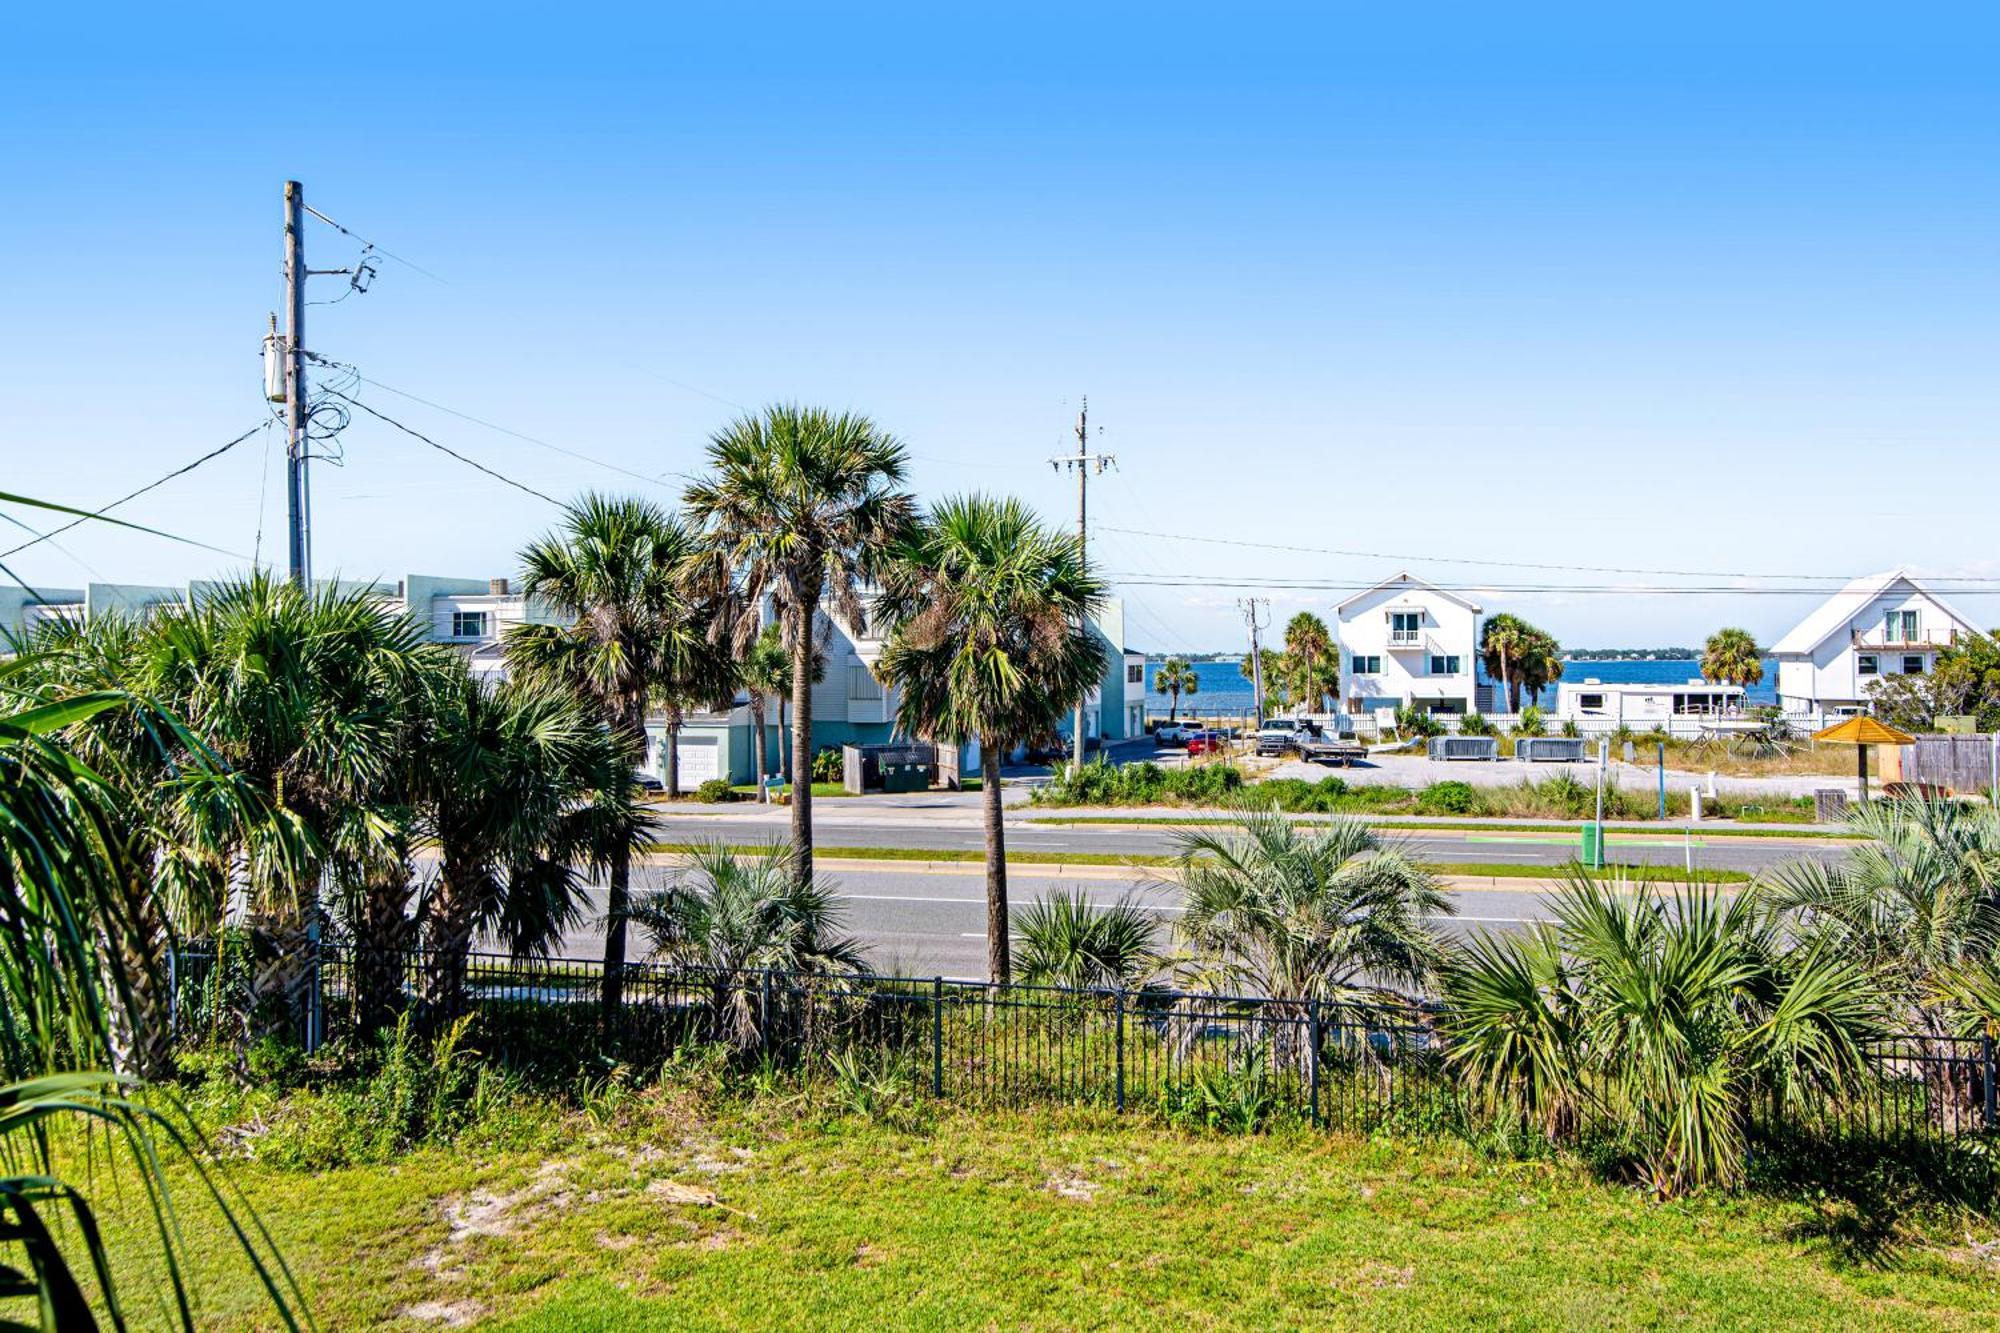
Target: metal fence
(1345, 1066)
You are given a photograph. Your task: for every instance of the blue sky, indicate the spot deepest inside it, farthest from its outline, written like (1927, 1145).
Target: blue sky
(1705, 289)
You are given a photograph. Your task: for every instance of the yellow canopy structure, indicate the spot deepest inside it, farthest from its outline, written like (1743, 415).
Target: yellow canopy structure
(1862, 732)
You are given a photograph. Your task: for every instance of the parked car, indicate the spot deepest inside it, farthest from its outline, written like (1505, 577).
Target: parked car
(1174, 733)
(647, 782)
(1208, 742)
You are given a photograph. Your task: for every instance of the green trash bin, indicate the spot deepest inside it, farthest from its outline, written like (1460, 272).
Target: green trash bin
(1593, 846)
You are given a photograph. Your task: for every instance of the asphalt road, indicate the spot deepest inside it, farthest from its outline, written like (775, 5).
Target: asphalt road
(930, 920)
(1554, 848)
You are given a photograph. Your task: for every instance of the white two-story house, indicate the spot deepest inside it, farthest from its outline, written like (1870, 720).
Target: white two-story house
(1882, 625)
(1408, 642)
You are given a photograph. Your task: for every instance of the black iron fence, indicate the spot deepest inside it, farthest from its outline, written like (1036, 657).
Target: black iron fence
(1223, 1056)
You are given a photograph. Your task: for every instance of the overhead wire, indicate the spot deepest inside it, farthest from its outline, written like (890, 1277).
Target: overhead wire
(448, 450)
(181, 471)
(1969, 586)
(1435, 559)
(581, 457)
(386, 254)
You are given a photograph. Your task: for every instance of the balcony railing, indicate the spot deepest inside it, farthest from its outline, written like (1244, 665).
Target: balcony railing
(1406, 638)
(1881, 640)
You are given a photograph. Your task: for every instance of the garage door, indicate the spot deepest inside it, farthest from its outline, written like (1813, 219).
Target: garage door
(700, 761)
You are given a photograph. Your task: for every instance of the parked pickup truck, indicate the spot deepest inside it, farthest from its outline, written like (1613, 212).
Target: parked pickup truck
(1279, 736)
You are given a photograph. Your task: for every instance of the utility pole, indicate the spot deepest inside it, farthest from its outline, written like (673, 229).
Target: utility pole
(298, 488)
(1083, 463)
(1249, 607)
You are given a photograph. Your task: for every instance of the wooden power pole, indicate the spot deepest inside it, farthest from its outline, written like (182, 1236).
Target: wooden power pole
(1083, 463)
(298, 486)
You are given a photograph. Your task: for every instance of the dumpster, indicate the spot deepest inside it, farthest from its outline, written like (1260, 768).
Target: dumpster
(888, 768)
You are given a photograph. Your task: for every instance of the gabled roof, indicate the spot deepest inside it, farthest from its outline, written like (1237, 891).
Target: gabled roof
(1406, 580)
(1836, 612)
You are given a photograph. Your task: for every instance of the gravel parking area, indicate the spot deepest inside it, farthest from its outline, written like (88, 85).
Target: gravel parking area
(1418, 771)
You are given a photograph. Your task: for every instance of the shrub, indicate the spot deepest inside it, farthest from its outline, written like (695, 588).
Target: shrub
(1231, 1097)
(1531, 723)
(1414, 722)
(715, 791)
(1474, 724)
(827, 765)
(1570, 729)
(1448, 798)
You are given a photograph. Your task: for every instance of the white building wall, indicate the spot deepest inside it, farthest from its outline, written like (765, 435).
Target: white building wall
(1830, 678)
(1446, 628)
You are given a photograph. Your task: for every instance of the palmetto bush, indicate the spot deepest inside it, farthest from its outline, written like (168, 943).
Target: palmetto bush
(1332, 912)
(1061, 940)
(1917, 903)
(731, 915)
(68, 856)
(1660, 1022)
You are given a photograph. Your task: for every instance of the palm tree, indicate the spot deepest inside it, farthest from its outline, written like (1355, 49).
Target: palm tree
(525, 785)
(1668, 1019)
(1501, 644)
(182, 815)
(1312, 661)
(620, 573)
(800, 506)
(1062, 940)
(729, 915)
(1732, 657)
(1175, 678)
(989, 641)
(1333, 914)
(1277, 693)
(1541, 663)
(765, 670)
(309, 697)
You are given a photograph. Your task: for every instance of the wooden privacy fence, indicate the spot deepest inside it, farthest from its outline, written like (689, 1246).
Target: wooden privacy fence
(1963, 764)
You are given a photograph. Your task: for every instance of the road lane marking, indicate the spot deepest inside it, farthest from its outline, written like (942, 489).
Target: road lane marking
(968, 902)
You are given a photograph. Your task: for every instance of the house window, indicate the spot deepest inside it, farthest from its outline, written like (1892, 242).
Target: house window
(1367, 666)
(1405, 626)
(862, 687)
(1867, 665)
(468, 624)
(1913, 665)
(1444, 664)
(1590, 703)
(1900, 627)
(1135, 673)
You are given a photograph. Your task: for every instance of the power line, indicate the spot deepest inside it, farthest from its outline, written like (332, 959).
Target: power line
(386, 254)
(1431, 558)
(1968, 586)
(489, 425)
(446, 449)
(133, 495)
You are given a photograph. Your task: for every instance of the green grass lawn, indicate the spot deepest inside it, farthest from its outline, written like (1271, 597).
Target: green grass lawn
(1468, 824)
(664, 1214)
(749, 789)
